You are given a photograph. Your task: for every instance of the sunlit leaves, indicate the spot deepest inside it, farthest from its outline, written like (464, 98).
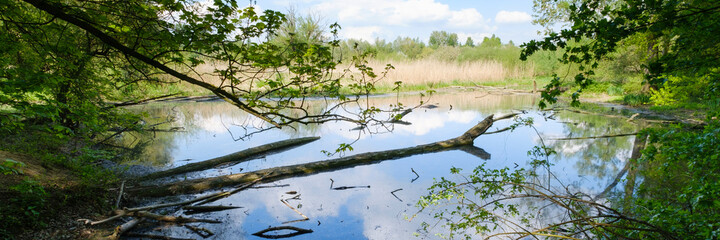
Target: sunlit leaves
(681, 185)
(468, 214)
(667, 25)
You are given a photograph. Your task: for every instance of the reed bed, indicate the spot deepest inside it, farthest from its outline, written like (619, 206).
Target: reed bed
(431, 72)
(419, 73)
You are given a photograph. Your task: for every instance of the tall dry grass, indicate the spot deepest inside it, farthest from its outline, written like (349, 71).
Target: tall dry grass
(431, 72)
(423, 72)
(206, 73)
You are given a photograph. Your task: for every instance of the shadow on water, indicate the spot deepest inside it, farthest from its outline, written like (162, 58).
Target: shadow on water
(378, 212)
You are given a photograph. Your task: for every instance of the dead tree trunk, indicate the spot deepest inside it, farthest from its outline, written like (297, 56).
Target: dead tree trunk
(639, 145)
(277, 173)
(238, 157)
(630, 164)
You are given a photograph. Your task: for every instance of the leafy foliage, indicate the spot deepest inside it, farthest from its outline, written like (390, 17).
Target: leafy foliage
(67, 67)
(681, 187)
(675, 32)
(443, 38)
(9, 166)
(491, 42)
(520, 203)
(255, 57)
(25, 204)
(469, 42)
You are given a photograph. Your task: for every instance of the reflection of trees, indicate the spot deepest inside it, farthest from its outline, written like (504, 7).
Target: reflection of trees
(199, 118)
(499, 203)
(596, 157)
(155, 146)
(474, 100)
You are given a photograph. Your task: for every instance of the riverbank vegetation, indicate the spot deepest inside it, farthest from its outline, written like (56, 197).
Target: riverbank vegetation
(444, 60)
(68, 68)
(671, 190)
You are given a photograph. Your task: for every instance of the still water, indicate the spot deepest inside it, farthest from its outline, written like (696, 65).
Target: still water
(210, 129)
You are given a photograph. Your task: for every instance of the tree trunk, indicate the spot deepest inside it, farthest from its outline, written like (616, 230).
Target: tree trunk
(652, 55)
(277, 173)
(638, 146)
(238, 157)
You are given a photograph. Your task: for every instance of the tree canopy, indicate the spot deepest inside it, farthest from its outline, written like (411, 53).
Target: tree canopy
(65, 60)
(679, 37)
(443, 38)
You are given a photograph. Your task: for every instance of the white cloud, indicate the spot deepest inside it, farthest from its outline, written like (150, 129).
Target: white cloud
(370, 19)
(393, 12)
(419, 11)
(417, 18)
(465, 18)
(512, 17)
(365, 33)
(476, 37)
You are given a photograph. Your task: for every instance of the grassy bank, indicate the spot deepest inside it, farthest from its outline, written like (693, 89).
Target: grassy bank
(47, 183)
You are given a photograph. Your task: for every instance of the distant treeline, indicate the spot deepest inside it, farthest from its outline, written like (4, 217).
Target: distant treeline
(445, 46)
(620, 73)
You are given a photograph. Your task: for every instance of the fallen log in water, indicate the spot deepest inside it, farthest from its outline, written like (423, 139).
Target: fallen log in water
(277, 173)
(241, 156)
(168, 218)
(204, 209)
(205, 199)
(120, 230)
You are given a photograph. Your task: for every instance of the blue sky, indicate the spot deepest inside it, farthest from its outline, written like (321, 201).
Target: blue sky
(389, 19)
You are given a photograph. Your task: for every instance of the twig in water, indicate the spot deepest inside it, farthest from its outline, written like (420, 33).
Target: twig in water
(168, 218)
(349, 187)
(122, 188)
(144, 236)
(498, 131)
(416, 175)
(204, 199)
(298, 231)
(393, 193)
(120, 230)
(603, 136)
(344, 187)
(296, 197)
(305, 218)
(488, 94)
(203, 232)
(227, 194)
(202, 209)
(633, 117)
(271, 186)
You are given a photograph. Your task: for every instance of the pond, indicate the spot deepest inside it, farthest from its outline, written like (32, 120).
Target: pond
(211, 128)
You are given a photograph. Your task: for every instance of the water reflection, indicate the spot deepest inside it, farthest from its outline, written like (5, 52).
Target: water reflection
(375, 213)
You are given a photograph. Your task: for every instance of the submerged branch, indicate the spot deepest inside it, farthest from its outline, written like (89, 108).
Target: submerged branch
(238, 157)
(298, 231)
(596, 137)
(277, 173)
(167, 218)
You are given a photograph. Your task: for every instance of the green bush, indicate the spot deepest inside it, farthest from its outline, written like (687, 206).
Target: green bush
(24, 209)
(680, 190)
(508, 55)
(681, 90)
(614, 90)
(636, 99)
(9, 166)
